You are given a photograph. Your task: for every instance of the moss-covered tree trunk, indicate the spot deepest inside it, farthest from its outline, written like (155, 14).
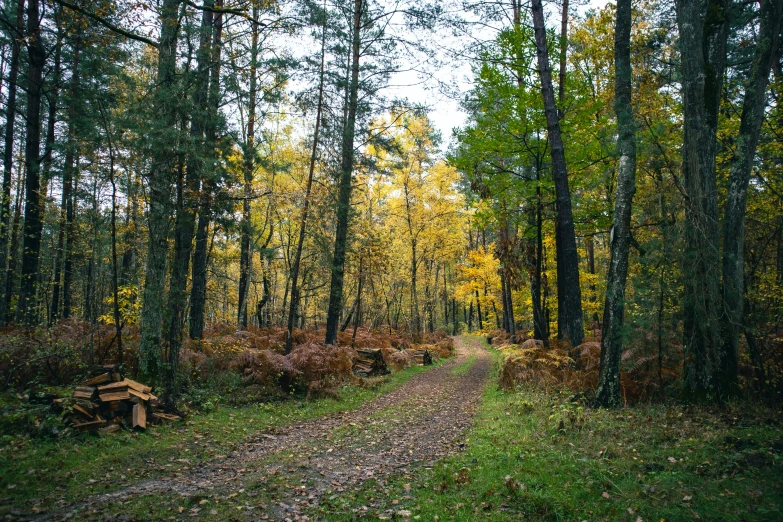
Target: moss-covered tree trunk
(26, 312)
(703, 30)
(6, 274)
(187, 203)
(608, 392)
(198, 290)
(160, 180)
(734, 217)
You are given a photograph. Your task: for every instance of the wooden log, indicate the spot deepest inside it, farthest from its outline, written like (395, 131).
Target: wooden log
(87, 412)
(84, 392)
(142, 388)
(140, 416)
(114, 396)
(369, 362)
(121, 385)
(423, 357)
(98, 379)
(141, 395)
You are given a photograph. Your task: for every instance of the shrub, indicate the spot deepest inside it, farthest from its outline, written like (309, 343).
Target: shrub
(533, 365)
(263, 367)
(319, 368)
(399, 359)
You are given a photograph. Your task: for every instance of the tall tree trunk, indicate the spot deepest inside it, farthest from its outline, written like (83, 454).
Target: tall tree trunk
(245, 255)
(734, 217)
(563, 56)
(185, 221)
(344, 190)
(115, 285)
(198, 291)
(608, 392)
(703, 54)
(33, 224)
(306, 208)
(52, 95)
(63, 236)
(478, 308)
(569, 293)
(14, 250)
(6, 274)
(160, 208)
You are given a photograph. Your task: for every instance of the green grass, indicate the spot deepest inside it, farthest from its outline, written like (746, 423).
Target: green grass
(464, 367)
(39, 472)
(538, 456)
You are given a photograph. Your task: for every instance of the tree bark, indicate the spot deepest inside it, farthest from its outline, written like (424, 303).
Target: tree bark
(703, 53)
(64, 238)
(185, 220)
(6, 274)
(245, 255)
(608, 392)
(306, 208)
(344, 190)
(198, 291)
(739, 177)
(563, 56)
(159, 183)
(569, 293)
(33, 224)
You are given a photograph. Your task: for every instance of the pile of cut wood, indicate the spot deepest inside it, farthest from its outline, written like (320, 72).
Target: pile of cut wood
(423, 357)
(369, 362)
(108, 401)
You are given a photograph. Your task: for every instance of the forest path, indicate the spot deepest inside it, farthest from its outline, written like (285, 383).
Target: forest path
(277, 476)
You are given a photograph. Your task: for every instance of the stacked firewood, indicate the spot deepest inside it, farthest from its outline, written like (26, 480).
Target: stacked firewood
(369, 362)
(109, 401)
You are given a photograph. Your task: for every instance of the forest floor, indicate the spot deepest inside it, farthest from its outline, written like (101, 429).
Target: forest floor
(280, 473)
(438, 443)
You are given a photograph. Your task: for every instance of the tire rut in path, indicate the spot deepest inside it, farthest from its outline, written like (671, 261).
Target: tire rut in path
(415, 425)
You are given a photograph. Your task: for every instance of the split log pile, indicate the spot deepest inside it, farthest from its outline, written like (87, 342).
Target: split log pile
(369, 362)
(107, 402)
(423, 357)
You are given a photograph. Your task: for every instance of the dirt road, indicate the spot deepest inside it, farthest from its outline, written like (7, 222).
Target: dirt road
(291, 469)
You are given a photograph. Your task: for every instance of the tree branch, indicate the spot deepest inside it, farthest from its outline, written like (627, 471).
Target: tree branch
(110, 26)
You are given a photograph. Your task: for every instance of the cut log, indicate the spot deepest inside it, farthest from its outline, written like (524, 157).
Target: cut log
(141, 395)
(114, 396)
(369, 362)
(84, 392)
(423, 357)
(121, 385)
(98, 379)
(87, 412)
(139, 416)
(112, 405)
(133, 385)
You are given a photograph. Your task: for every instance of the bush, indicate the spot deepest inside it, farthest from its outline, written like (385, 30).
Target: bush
(319, 368)
(399, 359)
(534, 365)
